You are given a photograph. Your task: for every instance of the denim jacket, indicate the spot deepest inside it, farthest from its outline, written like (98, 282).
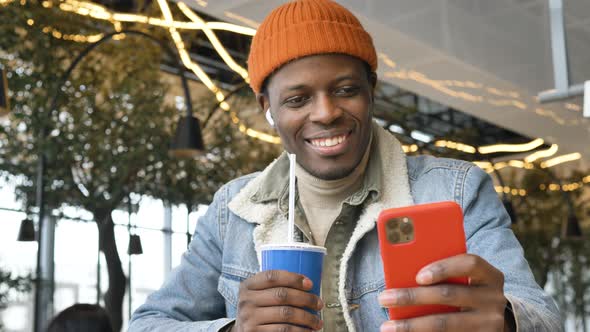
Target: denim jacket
(201, 294)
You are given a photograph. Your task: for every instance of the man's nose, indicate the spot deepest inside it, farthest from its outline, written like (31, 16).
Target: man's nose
(325, 110)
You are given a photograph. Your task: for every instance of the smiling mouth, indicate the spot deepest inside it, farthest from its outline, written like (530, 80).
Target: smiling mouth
(327, 142)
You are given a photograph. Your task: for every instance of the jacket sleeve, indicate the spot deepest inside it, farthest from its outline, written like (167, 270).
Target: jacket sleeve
(487, 227)
(188, 299)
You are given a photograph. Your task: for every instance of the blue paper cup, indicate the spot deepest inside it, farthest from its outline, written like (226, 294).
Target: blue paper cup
(296, 257)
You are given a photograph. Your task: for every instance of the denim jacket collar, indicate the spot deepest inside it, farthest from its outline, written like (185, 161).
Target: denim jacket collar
(272, 224)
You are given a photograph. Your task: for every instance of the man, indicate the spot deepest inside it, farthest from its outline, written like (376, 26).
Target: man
(312, 66)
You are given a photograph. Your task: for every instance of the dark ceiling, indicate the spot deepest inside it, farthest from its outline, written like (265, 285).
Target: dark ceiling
(394, 105)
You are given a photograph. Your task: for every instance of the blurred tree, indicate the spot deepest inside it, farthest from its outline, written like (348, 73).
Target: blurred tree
(110, 133)
(560, 264)
(540, 215)
(10, 286)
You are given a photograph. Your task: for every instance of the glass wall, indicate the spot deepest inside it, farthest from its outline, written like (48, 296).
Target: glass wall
(77, 260)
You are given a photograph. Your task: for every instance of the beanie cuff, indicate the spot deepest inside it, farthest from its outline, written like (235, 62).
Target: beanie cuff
(305, 39)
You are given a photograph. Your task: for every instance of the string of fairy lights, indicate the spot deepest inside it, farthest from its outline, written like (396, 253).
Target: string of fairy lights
(550, 187)
(526, 163)
(195, 22)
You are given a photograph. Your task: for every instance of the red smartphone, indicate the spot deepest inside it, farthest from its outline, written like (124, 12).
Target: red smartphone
(411, 238)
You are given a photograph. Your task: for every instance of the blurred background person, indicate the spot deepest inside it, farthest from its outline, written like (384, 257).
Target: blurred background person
(81, 317)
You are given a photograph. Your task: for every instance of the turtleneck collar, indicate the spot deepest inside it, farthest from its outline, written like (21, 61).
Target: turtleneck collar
(314, 191)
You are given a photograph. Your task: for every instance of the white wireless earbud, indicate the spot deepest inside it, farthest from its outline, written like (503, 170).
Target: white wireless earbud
(269, 118)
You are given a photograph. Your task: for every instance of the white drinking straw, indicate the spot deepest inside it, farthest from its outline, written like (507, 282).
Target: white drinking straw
(291, 235)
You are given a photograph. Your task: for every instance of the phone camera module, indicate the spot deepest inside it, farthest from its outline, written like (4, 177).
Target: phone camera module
(400, 230)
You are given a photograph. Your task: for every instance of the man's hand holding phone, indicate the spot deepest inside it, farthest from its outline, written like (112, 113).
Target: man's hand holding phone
(482, 301)
(432, 283)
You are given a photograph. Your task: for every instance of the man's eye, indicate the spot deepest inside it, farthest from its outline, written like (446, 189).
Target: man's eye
(296, 101)
(347, 91)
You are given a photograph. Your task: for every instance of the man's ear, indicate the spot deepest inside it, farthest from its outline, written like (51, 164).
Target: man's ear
(373, 83)
(263, 101)
(264, 104)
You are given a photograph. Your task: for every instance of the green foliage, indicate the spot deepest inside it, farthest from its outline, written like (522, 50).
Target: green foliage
(570, 277)
(558, 262)
(11, 286)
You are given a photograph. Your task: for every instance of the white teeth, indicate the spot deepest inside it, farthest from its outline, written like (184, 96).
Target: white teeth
(328, 142)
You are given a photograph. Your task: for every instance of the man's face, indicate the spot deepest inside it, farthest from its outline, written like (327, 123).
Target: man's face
(322, 109)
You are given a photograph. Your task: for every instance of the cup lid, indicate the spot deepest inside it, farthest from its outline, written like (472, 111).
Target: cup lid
(293, 246)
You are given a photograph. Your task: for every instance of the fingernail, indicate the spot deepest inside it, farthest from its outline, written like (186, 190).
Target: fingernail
(320, 304)
(387, 298)
(390, 326)
(307, 283)
(424, 277)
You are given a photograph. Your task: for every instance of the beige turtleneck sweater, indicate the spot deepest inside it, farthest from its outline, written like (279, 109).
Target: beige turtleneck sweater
(322, 199)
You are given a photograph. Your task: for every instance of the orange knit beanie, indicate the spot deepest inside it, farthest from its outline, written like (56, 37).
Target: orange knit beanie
(306, 27)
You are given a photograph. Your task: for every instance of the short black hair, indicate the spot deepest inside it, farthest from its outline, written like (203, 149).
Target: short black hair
(81, 317)
(264, 86)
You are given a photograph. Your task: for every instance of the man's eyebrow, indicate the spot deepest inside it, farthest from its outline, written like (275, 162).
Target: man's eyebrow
(295, 87)
(346, 77)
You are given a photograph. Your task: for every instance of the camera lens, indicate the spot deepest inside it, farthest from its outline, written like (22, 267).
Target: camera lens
(406, 228)
(394, 237)
(393, 224)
